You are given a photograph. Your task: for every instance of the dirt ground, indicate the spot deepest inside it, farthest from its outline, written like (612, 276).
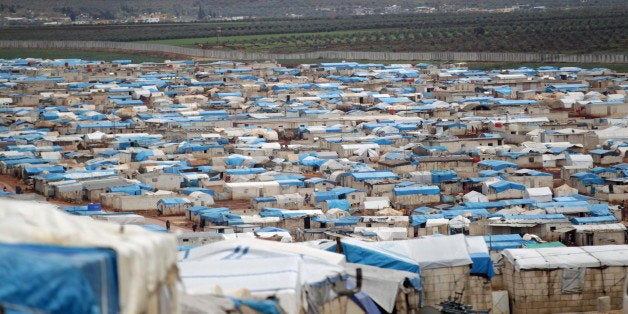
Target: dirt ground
(177, 223)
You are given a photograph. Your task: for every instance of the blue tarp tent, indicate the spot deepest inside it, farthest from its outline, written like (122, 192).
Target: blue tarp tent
(55, 279)
(340, 204)
(501, 186)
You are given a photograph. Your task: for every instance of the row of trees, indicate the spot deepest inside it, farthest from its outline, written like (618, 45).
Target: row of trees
(571, 31)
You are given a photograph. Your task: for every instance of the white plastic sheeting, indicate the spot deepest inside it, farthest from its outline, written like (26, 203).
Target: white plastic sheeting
(474, 196)
(264, 268)
(568, 257)
(122, 219)
(146, 259)
(432, 252)
(381, 284)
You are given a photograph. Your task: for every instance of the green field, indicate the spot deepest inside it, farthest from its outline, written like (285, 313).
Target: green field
(561, 32)
(581, 31)
(78, 54)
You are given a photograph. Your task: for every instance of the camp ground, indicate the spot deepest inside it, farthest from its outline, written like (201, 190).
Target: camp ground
(195, 186)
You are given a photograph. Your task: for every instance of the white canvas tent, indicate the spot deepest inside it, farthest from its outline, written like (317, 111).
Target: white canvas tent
(264, 268)
(542, 194)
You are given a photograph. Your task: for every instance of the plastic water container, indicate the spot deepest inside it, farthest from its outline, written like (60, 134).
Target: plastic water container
(93, 207)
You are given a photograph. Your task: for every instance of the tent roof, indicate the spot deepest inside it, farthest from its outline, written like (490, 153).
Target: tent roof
(568, 257)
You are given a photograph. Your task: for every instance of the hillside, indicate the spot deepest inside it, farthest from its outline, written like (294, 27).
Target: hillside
(205, 9)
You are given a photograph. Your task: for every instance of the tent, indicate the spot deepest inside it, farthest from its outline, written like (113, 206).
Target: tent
(482, 263)
(144, 260)
(542, 194)
(431, 252)
(383, 271)
(264, 268)
(474, 196)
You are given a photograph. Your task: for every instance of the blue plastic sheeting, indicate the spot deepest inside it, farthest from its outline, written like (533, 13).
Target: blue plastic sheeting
(244, 171)
(156, 228)
(424, 209)
(131, 190)
(172, 201)
(293, 182)
(588, 178)
(537, 217)
(504, 90)
(566, 88)
(593, 220)
(191, 190)
(143, 155)
(40, 169)
(235, 160)
(497, 164)
(418, 220)
(363, 301)
(343, 221)
(340, 204)
(439, 176)
(599, 210)
(482, 265)
(312, 161)
(424, 190)
(272, 229)
(333, 194)
(264, 199)
(54, 279)
(359, 252)
(562, 204)
(503, 241)
(451, 213)
(373, 175)
(478, 205)
(263, 307)
(501, 186)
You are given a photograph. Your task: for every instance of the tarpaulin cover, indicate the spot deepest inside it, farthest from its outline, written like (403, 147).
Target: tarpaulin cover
(439, 176)
(341, 204)
(382, 285)
(265, 268)
(451, 213)
(599, 210)
(425, 190)
(432, 252)
(501, 186)
(482, 263)
(422, 219)
(131, 189)
(568, 257)
(55, 279)
(501, 242)
(144, 258)
(593, 220)
(360, 252)
(497, 164)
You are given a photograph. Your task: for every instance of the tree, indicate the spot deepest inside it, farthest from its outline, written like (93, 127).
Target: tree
(201, 13)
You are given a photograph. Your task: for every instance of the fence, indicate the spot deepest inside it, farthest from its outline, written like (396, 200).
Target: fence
(335, 55)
